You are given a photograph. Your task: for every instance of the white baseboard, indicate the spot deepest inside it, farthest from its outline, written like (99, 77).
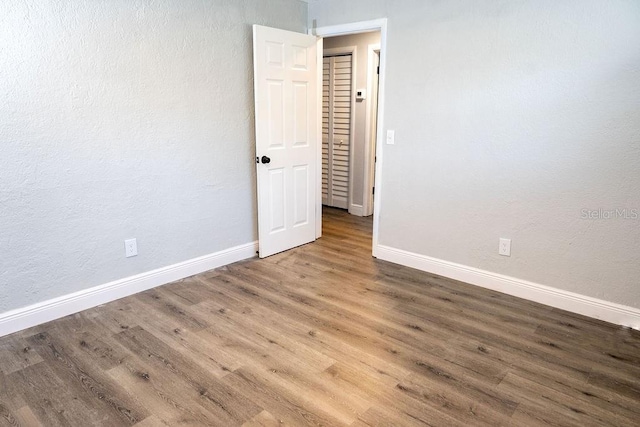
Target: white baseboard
(357, 210)
(570, 301)
(36, 314)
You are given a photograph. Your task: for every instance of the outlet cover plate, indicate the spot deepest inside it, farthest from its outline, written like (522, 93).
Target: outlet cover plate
(505, 247)
(130, 248)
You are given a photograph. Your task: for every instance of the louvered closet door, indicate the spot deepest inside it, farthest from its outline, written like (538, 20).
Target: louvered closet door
(336, 126)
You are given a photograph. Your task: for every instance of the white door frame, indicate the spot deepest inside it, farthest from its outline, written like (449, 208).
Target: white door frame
(353, 51)
(373, 51)
(341, 30)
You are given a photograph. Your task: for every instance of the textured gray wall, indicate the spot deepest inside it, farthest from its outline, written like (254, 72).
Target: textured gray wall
(511, 117)
(124, 119)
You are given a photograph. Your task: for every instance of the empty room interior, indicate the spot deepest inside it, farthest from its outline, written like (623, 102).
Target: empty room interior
(320, 212)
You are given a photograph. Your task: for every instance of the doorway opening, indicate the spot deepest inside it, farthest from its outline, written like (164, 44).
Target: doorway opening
(352, 105)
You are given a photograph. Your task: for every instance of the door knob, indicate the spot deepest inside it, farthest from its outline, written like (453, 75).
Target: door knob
(265, 160)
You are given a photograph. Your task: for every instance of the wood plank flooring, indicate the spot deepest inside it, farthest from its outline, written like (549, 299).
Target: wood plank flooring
(321, 335)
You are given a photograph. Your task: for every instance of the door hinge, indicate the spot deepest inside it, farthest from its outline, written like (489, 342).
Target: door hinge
(378, 69)
(373, 190)
(257, 160)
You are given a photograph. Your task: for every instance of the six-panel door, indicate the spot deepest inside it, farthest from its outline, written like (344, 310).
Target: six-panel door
(285, 79)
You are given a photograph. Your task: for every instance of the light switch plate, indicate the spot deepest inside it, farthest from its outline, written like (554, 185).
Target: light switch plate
(391, 137)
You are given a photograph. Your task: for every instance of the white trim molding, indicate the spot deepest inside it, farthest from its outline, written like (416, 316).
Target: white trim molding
(558, 298)
(319, 56)
(357, 210)
(36, 314)
(371, 120)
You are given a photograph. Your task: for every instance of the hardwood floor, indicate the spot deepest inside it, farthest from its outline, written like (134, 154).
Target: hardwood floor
(321, 335)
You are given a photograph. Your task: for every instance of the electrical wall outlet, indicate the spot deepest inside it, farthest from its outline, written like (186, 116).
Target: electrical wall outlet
(505, 247)
(130, 248)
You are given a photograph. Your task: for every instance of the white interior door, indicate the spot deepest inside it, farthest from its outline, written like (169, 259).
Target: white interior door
(336, 129)
(286, 102)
